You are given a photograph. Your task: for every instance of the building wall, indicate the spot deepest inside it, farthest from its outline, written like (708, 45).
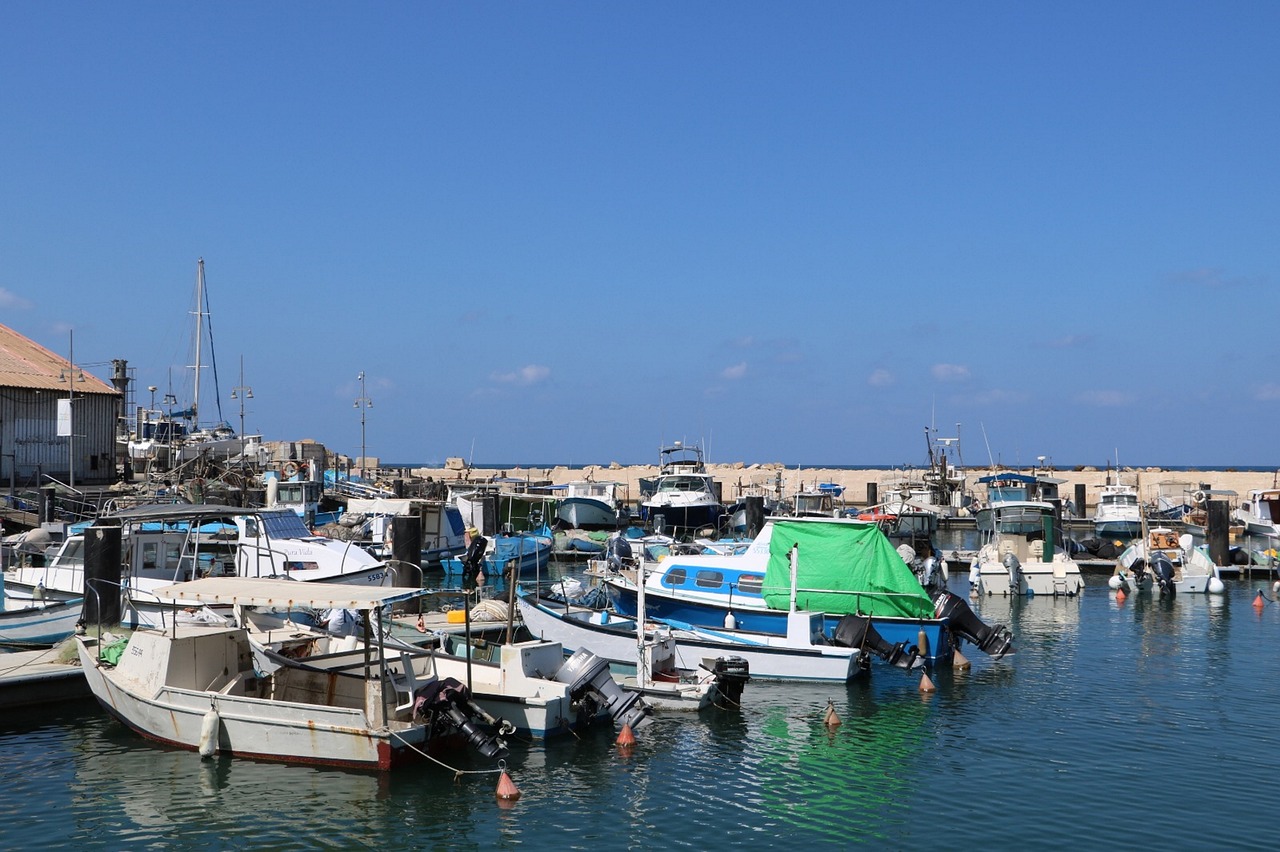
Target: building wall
(30, 447)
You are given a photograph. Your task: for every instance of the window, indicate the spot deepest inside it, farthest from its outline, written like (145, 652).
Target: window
(709, 579)
(674, 577)
(751, 584)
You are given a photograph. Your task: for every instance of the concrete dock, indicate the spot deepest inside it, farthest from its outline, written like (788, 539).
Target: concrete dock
(31, 678)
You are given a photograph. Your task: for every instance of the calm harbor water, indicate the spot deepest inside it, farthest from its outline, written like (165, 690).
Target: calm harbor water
(1140, 723)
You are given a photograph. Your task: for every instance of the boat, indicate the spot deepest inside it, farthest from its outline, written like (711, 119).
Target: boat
(1118, 514)
(32, 624)
(1017, 502)
(821, 500)
(196, 687)
(163, 544)
(1260, 512)
(523, 542)
(683, 498)
(940, 488)
(844, 567)
(1032, 563)
(1166, 563)
(586, 504)
(519, 684)
(800, 654)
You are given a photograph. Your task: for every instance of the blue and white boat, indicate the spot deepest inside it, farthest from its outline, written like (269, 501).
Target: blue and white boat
(684, 497)
(38, 623)
(1118, 514)
(841, 567)
(589, 505)
(1017, 502)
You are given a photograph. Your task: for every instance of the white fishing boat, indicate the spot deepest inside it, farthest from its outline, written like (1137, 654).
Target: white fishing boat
(1166, 563)
(1014, 564)
(197, 687)
(1017, 502)
(683, 497)
(586, 504)
(1260, 512)
(1118, 514)
(37, 623)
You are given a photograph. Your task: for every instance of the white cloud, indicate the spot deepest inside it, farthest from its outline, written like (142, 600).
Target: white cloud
(735, 372)
(530, 374)
(12, 300)
(1104, 398)
(949, 372)
(880, 378)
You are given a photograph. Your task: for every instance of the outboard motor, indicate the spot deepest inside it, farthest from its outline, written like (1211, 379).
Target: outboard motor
(857, 631)
(590, 684)
(1014, 567)
(449, 700)
(1162, 568)
(617, 552)
(927, 571)
(732, 674)
(996, 641)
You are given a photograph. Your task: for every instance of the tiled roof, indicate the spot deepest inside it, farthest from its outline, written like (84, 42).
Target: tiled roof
(26, 364)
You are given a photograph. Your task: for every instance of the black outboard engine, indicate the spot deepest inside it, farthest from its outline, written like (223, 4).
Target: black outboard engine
(732, 674)
(1162, 568)
(857, 631)
(591, 684)
(449, 700)
(996, 641)
(617, 552)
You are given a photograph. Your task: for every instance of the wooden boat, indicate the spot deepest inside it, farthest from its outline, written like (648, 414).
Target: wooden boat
(30, 624)
(197, 687)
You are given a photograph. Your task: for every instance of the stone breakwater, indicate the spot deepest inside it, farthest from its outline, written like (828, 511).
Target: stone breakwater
(738, 478)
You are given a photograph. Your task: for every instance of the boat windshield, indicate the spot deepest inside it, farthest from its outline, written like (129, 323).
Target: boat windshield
(682, 483)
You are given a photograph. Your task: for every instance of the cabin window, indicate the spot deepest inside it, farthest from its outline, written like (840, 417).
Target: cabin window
(751, 583)
(674, 577)
(709, 579)
(250, 528)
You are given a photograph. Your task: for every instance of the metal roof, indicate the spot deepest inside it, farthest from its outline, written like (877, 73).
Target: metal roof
(253, 591)
(26, 364)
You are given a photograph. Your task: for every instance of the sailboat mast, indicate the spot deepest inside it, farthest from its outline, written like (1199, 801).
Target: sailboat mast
(195, 401)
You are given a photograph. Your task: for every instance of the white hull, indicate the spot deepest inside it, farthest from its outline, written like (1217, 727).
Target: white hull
(772, 662)
(989, 575)
(31, 623)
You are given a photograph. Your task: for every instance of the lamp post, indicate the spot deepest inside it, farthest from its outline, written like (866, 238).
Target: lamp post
(242, 392)
(71, 375)
(362, 402)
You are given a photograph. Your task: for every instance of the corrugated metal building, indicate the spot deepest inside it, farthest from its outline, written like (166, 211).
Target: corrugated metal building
(32, 381)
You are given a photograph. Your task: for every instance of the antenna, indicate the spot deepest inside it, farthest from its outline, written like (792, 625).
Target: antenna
(983, 427)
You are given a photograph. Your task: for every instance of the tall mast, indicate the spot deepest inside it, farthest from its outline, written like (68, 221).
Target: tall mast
(195, 402)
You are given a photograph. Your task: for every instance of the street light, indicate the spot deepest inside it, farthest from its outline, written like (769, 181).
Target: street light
(70, 375)
(242, 392)
(362, 402)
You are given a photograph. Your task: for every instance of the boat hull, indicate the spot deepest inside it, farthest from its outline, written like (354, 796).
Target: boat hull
(585, 513)
(39, 623)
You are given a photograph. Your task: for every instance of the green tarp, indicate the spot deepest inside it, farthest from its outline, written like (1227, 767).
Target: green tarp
(842, 567)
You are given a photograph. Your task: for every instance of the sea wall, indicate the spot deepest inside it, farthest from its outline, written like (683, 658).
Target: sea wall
(738, 478)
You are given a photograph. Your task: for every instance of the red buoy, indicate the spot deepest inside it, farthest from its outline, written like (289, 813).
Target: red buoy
(626, 738)
(507, 789)
(926, 685)
(959, 661)
(1120, 596)
(830, 719)
(1259, 602)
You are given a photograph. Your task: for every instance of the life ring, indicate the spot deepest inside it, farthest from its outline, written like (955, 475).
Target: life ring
(290, 469)
(1198, 497)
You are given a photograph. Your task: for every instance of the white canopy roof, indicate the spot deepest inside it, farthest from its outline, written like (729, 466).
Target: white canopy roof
(254, 591)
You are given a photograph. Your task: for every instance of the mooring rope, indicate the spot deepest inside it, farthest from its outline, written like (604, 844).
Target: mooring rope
(457, 773)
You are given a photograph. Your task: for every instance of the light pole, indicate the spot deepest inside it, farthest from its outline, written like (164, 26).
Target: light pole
(362, 402)
(242, 392)
(71, 375)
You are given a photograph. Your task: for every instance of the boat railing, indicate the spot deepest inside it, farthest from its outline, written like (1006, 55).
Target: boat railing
(855, 594)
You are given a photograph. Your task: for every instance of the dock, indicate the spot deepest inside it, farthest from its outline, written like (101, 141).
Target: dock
(32, 678)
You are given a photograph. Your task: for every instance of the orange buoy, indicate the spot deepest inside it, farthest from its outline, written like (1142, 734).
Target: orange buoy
(1120, 596)
(959, 660)
(926, 685)
(626, 738)
(1259, 602)
(830, 719)
(507, 789)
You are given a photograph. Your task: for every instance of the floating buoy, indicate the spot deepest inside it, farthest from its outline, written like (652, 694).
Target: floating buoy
(626, 738)
(1120, 596)
(1275, 588)
(507, 789)
(209, 732)
(1259, 602)
(926, 685)
(959, 661)
(1115, 582)
(830, 719)
(1216, 586)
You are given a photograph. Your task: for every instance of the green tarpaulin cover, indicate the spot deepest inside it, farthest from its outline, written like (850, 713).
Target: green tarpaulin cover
(113, 652)
(842, 568)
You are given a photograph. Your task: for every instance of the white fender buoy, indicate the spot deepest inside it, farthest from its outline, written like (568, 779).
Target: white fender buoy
(209, 732)
(1114, 581)
(1216, 586)
(730, 621)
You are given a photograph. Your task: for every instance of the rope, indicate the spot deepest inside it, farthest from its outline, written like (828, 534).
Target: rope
(457, 773)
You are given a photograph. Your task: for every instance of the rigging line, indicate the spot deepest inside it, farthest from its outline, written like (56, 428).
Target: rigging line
(213, 352)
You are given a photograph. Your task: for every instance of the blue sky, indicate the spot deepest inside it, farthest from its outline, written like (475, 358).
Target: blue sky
(569, 232)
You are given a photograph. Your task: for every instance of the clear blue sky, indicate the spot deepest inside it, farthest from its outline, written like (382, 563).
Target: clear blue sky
(568, 232)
